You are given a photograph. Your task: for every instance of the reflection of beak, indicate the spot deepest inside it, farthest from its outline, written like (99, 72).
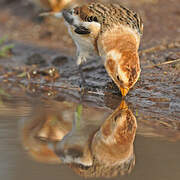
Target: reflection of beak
(123, 105)
(56, 14)
(124, 91)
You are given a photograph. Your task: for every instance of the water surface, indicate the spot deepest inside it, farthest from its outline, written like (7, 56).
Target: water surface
(53, 138)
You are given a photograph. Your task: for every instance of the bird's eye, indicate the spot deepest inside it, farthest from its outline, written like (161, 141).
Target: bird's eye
(116, 117)
(118, 78)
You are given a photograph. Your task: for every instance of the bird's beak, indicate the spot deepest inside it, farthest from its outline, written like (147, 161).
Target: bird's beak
(52, 13)
(124, 91)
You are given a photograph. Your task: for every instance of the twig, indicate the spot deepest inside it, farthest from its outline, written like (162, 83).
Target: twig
(164, 63)
(161, 47)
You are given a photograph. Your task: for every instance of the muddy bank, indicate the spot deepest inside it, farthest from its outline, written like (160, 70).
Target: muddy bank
(42, 62)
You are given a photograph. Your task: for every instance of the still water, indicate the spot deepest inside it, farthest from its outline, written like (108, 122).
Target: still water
(73, 137)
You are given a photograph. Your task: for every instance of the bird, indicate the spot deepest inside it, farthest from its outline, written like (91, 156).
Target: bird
(57, 5)
(110, 31)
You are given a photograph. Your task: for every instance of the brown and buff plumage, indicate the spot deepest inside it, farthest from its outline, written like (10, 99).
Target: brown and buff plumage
(117, 42)
(112, 32)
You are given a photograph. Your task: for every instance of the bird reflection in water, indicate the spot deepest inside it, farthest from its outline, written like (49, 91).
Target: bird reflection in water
(93, 142)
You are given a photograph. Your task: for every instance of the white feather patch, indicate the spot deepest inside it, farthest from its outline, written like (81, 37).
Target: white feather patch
(115, 55)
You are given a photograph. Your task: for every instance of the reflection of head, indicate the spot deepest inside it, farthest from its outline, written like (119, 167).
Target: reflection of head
(112, 146)
(113, 143)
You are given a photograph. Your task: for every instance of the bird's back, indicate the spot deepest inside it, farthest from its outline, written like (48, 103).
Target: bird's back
(114, 14)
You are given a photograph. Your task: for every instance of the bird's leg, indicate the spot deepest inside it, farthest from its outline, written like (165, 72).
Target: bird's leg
(82, 82)
(80, 59)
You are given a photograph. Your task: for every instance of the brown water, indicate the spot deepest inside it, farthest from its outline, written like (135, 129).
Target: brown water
(33, 129)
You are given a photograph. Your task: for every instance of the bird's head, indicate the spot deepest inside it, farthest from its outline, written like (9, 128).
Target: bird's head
(123, 68)
(82, 21)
